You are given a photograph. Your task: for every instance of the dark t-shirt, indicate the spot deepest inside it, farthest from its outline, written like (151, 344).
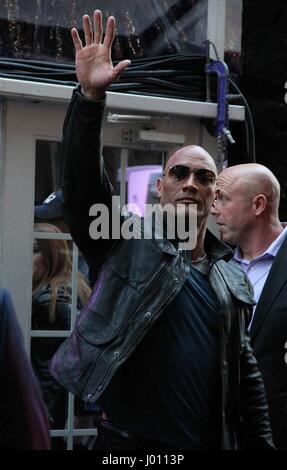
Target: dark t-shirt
(168, 390)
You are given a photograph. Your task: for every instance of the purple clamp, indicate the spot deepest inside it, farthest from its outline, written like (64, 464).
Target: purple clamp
(220, 68)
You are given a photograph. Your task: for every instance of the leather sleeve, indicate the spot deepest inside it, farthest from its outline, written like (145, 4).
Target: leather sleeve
(256, 430)
(84, 178)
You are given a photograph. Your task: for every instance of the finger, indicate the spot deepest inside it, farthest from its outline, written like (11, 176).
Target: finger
(110, 32)
(87, 30)
(98, 27)
(119, 68)
(76, 39)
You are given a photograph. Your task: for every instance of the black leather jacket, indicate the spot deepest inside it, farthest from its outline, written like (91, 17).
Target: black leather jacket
(136, 282)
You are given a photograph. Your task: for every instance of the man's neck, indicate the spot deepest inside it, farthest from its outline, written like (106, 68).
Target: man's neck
(198, 251)
(259, 240)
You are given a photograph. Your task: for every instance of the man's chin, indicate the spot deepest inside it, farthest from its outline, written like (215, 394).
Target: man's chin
(186, 210)
(226, 239)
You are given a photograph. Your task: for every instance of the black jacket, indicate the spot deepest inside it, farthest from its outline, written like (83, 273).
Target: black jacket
(126, 300)
(269, 339)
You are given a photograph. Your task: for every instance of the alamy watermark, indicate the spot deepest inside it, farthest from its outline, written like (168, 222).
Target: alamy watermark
(172, 222)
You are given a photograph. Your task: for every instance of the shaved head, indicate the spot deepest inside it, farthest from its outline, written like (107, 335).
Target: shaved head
(246, 207)
(191, 152)
(251, 179)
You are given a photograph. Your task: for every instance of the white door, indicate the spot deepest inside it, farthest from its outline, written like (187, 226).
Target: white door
(23, 124)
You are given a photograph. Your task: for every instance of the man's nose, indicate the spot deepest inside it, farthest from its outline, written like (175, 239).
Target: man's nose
(191, 182)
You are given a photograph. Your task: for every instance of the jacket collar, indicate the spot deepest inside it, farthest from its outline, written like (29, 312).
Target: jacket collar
(214, 247)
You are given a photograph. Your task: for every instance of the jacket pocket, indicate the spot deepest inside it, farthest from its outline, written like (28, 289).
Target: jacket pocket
(113, 301)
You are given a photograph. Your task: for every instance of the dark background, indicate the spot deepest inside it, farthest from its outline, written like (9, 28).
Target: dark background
(262, 80)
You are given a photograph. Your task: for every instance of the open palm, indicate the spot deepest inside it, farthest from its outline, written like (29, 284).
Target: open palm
(94, 67)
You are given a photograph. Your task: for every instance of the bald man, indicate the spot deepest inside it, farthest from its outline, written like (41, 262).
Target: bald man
(246, 211)
(162, 345)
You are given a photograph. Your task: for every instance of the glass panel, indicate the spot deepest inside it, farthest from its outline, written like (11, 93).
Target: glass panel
(143, 170)
(40, 29)
(53, 284)
(52, 280)
(85, 420)
(47, 169)
(83, 279)
(112, 158)
(83, 442)
(59, 443)
(54, 395)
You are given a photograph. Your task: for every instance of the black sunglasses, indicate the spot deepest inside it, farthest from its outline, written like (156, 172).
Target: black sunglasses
(182, 172)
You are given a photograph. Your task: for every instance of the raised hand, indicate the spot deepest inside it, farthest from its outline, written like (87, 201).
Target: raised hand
(94, 67)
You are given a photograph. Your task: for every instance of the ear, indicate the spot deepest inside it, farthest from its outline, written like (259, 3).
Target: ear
(159, 187)
(213, 208)
(259, 204)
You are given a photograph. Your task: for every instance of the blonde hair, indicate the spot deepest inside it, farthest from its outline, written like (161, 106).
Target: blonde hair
(57, 271)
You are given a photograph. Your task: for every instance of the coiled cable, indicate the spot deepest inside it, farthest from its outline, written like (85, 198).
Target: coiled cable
(179, 76)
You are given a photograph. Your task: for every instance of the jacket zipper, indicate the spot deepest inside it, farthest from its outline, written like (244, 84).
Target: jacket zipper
(156, 275)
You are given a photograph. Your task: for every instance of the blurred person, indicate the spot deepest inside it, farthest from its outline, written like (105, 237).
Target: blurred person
(23, 416)
(162, 344)
(246, 211)
(51, 310)
(51, 211)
